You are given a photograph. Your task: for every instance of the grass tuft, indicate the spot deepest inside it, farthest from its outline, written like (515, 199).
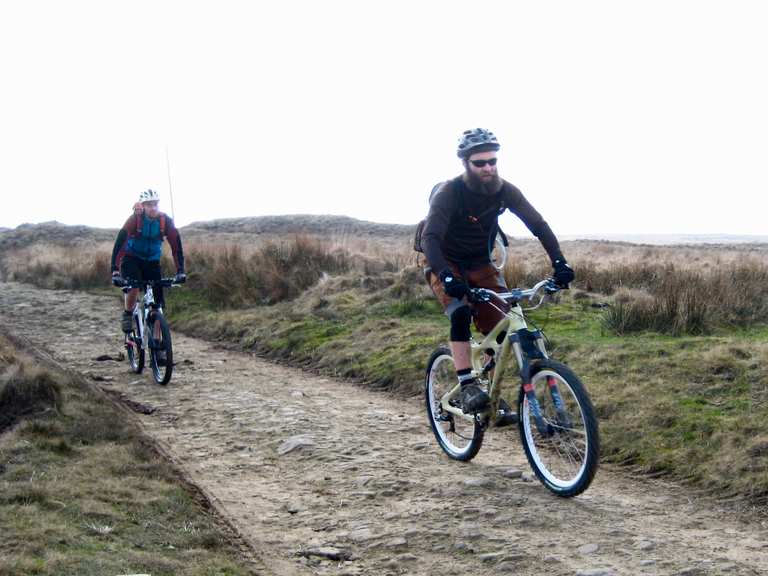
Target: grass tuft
(25, 390)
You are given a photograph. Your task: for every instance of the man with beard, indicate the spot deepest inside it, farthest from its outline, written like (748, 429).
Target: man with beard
(458, 233)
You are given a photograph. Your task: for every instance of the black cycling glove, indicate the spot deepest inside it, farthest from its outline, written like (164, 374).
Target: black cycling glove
(454, 286)
(563, 273)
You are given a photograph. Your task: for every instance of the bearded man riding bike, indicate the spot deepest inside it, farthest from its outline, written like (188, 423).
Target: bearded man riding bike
(138, 247)
(457, 236)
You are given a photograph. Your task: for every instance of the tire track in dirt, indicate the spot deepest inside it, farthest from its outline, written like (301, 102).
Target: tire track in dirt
(307, 468)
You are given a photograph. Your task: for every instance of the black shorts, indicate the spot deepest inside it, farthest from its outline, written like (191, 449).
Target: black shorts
(138, 269)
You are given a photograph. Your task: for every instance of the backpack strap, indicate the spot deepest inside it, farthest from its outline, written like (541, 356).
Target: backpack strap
(461, 204)
(140, 224)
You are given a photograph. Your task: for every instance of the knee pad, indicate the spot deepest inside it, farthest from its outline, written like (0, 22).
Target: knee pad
(460, 320)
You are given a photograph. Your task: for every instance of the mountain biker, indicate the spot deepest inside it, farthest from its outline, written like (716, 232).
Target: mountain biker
(137, 250)
(458, 231)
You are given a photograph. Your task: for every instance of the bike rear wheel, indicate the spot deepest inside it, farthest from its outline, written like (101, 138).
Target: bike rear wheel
(459, 437)
(160, 349)
(134, 349)
(559, 431)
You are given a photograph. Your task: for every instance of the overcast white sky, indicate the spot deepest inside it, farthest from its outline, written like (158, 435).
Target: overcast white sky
(614, 117)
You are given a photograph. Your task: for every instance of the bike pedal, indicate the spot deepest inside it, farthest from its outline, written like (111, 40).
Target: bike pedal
(506, 418)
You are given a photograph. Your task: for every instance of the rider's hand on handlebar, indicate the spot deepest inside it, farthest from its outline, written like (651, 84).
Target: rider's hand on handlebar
(563, 274)
(117, 279)
(180, 277)
(454, 286)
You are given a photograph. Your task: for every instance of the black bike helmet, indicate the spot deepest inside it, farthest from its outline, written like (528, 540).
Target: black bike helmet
(476, 140)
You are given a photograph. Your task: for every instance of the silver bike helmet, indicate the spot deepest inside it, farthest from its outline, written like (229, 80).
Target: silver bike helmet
(476, 140)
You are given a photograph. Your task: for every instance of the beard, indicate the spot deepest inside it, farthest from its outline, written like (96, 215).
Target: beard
(487, 187)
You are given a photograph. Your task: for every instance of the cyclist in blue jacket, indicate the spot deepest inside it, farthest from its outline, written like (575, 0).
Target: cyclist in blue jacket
(138, 247)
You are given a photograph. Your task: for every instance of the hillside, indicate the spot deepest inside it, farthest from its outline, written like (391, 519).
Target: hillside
(300, 224)
(54, 233)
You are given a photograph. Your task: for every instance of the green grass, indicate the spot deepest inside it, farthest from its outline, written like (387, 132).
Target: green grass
(82, 494)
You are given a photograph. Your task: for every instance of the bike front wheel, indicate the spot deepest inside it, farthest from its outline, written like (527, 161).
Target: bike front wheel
(459, 436)
(160, 348)
(558, 429)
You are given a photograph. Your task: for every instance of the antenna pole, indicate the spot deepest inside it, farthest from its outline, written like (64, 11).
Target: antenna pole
(170, 188)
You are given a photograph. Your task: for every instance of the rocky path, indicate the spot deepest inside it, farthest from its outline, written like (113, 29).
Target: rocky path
(324, 477)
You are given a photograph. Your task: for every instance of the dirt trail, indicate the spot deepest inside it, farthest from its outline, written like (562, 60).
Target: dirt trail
(302, 464)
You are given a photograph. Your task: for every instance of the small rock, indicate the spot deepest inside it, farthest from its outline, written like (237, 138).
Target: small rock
(512, 473)
(477, 482)
(297, 394)
(551, 559)
(463, 546)
(293, 508)
(491, 556)
(526, 478)
(507, 567)
(588, 549)
(138, 406)
(361, 535)
(294, 443)
(326, 552)
(407, 558)
(595, 572)
(395, 543)
(648, 562)
(645, 545)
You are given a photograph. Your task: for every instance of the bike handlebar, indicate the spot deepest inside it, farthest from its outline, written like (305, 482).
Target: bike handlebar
(127, 284)
(516, 295)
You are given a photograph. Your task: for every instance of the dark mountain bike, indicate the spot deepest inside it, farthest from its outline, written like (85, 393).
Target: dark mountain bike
(150, 330)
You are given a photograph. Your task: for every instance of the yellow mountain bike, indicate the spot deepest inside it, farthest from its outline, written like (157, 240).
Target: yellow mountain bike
(556, 420)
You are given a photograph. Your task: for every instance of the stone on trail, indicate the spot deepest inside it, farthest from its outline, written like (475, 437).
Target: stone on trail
(512, 473)
(596, 572)
(645, 545)
(326, 552)
(361, 535)
(395, 543)
(588, 549)
(491, 556)
(477, 482)
(407, 558)
(294, 443)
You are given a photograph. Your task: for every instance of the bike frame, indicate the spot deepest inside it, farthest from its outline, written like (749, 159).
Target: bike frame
(510, 325)
(141, 311)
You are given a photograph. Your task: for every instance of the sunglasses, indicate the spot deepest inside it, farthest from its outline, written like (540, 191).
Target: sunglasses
(481, 163)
